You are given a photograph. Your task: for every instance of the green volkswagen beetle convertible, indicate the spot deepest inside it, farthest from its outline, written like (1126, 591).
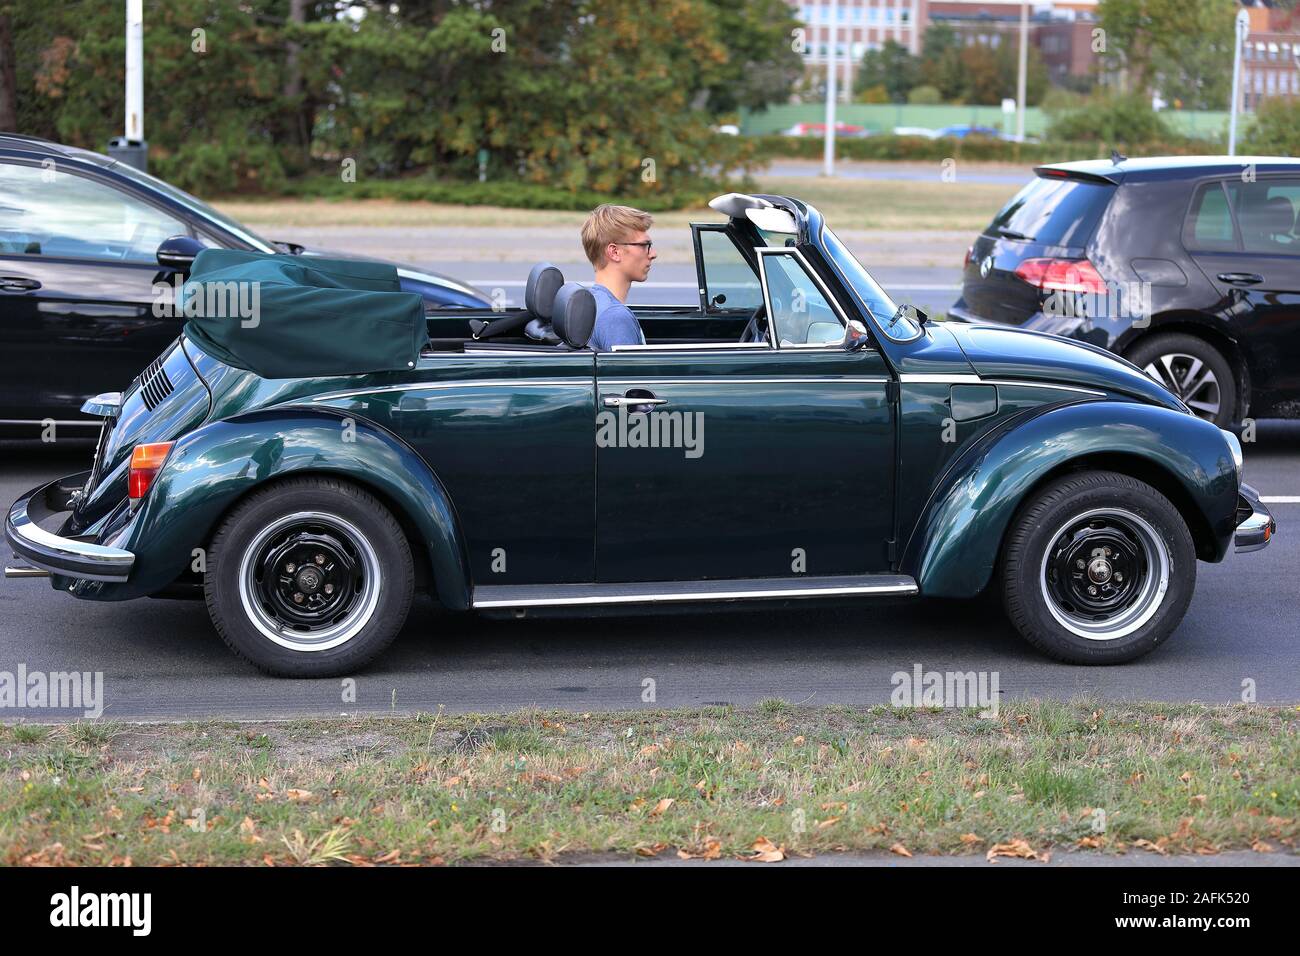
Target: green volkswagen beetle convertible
(308, 464)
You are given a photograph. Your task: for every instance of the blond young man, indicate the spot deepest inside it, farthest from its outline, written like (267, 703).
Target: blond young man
(617, 242)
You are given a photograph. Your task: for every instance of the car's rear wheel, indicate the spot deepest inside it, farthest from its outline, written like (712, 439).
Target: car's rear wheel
(311, 577)
(1192, 369)
(1098, 569)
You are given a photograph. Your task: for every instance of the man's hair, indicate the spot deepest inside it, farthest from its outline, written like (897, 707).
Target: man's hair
(609, 223)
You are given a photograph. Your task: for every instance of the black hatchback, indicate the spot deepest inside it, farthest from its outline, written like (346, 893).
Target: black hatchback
(1188, 266)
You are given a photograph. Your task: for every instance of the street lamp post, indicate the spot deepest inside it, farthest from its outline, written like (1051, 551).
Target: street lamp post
(828, 150)
(131, 148)
(1242, 31)
(1022, 69)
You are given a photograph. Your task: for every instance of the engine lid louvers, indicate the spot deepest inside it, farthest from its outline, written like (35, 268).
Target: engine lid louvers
(155, 386)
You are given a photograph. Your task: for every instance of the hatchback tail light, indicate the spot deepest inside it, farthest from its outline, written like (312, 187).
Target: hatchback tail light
(146, 462)
(1061, 275)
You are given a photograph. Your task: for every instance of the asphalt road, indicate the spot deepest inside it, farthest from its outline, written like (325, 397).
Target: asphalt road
(161, 659)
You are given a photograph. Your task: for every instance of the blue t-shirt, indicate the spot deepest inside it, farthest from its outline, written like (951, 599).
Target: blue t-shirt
(615, 322)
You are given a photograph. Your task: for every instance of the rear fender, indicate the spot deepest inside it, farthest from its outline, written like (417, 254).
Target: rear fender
(212, 467)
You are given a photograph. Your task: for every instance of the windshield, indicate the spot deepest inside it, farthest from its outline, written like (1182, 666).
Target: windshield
(869, 293)
(196, 205)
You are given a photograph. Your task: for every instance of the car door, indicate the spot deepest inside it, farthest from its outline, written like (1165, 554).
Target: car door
(1243, 236)
(746, 460)
(77, 272)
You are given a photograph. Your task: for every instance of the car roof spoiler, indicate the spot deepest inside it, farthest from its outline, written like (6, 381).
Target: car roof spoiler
(1068, 171)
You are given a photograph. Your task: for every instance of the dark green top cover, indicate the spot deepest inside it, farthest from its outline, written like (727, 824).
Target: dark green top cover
(285, 316)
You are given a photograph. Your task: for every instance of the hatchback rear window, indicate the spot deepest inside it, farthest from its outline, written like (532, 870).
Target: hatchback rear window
(1056, 212)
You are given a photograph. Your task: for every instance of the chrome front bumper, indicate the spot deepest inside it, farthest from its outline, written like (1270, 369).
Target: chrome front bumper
(45, 551)
(1255, 524)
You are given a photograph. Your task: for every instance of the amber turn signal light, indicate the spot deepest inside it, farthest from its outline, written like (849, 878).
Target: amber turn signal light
(146, 462)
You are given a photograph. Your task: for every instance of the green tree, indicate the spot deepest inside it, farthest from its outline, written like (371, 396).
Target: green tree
(941, 61)
(1180, 48)
(891, 67)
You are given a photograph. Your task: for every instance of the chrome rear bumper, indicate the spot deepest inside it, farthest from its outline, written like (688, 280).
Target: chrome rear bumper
(45, 551)
(1255, 524)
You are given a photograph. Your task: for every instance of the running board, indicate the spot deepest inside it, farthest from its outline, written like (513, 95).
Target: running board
(656, 592)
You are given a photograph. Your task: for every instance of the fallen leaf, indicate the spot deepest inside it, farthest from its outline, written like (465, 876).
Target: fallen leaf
(900, 850)
(1089, 842)
(823, 824)
(798, 740)
(652, 849)
(1259, 846)
(765, 851)
(1148, 845)
(662, 807)
(969, 838)
(1019, 849)
(710, 849)
(298, 796)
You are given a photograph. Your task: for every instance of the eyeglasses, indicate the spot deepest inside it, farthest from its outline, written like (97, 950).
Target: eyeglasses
(648, 243)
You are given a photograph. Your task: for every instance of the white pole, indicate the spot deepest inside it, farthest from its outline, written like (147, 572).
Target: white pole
(1242, 30)
(135, 70)
(828, 153)
(1022, 70)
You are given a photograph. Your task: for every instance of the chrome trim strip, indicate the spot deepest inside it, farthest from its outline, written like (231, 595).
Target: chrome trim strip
(1063, 388)
(920, 378)
(689, 346)
(726, 379)
(79, 422)
(584, 382)
(22, 571)
(894, 584)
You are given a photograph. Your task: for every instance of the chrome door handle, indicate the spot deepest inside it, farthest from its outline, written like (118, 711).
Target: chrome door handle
(1240, 278)
(18, 284)
(614, 401)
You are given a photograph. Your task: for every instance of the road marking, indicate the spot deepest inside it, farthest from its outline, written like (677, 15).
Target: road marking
(1280, 499)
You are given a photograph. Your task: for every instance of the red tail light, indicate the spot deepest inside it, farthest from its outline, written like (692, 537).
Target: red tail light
(970, 257)
(146, 462)
(1061, 275)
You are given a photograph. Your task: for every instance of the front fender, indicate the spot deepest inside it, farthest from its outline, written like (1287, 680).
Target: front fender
(955, 544)
(213, 466)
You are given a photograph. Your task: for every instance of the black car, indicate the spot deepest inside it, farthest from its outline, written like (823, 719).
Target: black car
(1187, 266)
(86, 245)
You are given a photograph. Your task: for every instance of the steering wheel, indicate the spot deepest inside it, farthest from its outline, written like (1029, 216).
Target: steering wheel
(752, 331)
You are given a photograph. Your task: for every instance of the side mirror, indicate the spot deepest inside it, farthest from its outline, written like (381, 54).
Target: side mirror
(855, 337)
(178, 253)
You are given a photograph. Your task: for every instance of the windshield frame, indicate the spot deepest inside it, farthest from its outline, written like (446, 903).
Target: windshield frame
(855, 277)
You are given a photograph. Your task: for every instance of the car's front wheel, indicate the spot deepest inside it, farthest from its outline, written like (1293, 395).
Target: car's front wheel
(311, 577)
(1098, 569)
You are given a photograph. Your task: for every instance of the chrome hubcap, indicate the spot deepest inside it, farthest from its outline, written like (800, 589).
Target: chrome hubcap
(1104, 574)
(1191, 380)
(309, 581)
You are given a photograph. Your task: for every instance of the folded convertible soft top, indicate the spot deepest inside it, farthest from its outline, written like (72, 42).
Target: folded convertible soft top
(285, 316)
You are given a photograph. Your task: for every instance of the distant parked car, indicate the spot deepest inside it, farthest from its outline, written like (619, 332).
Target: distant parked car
(84, 241)
(819, 130)
(729, 129)
(1187, 266)
(915, 131)
(962, 130)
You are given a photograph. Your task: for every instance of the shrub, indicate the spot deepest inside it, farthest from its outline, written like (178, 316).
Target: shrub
(924, 96)
(1114, 120)
(1276, 130)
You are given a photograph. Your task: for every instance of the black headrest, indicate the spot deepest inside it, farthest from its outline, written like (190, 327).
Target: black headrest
(539, 294)
(575, 314)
